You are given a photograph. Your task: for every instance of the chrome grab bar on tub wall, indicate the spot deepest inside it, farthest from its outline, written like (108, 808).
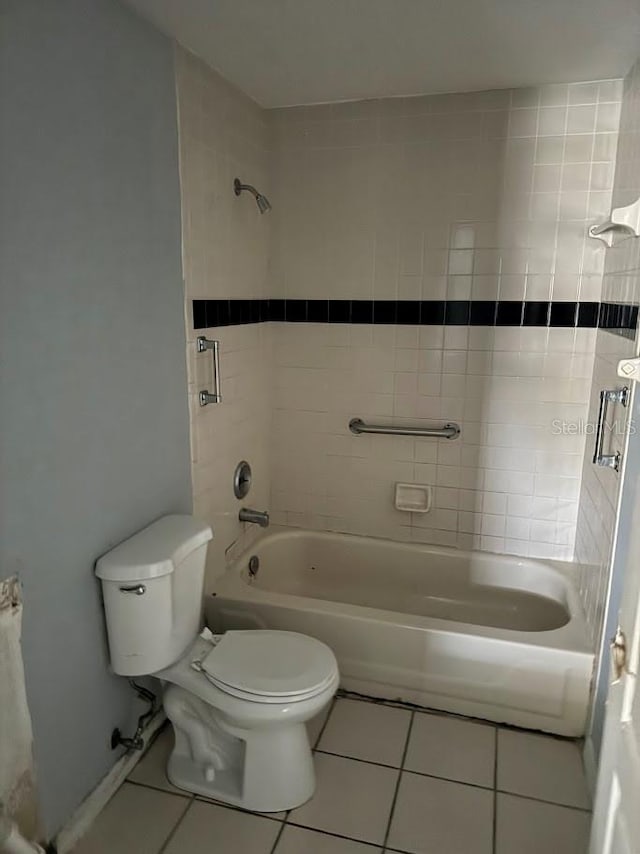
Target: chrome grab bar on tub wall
(449, 431)
(206, 397)
(607, 396)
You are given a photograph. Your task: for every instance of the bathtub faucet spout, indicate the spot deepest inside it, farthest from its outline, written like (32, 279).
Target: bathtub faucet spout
(259, 517)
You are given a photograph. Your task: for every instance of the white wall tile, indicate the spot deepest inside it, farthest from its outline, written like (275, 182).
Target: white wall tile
(225, 252)
(479, 195)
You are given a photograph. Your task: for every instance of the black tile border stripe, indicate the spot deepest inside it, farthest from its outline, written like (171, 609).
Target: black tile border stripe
(614, 317)
(620, 318)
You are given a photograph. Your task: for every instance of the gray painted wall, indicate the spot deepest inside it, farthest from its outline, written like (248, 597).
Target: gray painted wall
(93, 394)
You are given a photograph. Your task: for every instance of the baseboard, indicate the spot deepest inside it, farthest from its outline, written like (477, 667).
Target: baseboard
(590, 766)
(96, 800)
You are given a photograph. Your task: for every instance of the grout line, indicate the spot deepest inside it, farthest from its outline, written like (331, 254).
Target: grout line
(400, 772)
(406, 770)
(543, 801)
(448, 780)
(277, 839)
(358, 759)
(491, 788)
(163, 847)
(333, 835)
(203, 799)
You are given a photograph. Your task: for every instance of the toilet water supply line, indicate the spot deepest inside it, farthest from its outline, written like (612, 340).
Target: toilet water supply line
(136, 742)
(11, 840)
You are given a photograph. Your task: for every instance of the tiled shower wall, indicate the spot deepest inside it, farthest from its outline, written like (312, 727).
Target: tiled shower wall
(223, 135)
(479, 196)
(600, 487)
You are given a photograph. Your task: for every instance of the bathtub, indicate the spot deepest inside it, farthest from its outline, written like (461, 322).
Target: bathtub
(490, 636)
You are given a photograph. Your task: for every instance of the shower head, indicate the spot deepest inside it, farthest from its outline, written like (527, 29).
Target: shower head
(263, 202)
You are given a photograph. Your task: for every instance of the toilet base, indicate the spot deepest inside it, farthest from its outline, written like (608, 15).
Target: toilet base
(264, 770)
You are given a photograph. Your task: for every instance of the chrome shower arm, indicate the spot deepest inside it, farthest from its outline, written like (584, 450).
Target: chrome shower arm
(238, 187)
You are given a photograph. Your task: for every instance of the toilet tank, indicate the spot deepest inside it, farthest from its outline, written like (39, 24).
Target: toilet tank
(152, 587)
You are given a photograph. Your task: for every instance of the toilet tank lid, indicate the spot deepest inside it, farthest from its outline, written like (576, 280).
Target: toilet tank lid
(154, 551)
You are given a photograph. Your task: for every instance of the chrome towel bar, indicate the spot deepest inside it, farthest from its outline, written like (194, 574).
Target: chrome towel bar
(449, 431)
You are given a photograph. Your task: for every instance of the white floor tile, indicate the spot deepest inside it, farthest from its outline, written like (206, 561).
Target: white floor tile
(366, 731)
(314, 726)
(352, 799)
(453, 748)
(296, 840)
(135, 821)
(207, 827)
(531, 827)
(538, 766)
(152, 768)
(433, 815)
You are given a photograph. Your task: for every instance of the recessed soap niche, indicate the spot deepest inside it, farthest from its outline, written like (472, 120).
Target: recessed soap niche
(413, 497)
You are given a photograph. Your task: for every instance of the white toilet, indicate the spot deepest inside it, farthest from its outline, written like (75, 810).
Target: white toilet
(238, 702)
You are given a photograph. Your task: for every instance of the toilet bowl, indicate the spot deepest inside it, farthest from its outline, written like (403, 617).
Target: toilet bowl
(247, 743)
(238, 702)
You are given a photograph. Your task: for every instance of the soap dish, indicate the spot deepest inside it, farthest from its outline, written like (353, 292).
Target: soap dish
(413, 497)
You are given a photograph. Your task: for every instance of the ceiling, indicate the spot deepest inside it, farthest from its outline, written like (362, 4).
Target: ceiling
(286, 52)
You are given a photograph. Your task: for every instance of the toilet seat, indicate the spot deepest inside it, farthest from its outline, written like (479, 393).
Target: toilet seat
(267, 666)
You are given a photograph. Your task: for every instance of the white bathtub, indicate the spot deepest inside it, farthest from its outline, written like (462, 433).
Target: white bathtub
(491, 636)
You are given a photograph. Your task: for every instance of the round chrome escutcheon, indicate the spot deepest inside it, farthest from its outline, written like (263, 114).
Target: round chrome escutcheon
(242, 479)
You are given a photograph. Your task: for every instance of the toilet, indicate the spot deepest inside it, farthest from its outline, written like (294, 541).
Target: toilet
(239, 701)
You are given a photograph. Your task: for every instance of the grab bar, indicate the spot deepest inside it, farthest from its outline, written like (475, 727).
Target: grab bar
(449, 431)
(206, 397)
(607, 396)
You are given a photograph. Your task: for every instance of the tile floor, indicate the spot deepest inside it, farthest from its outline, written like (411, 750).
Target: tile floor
(389, 779)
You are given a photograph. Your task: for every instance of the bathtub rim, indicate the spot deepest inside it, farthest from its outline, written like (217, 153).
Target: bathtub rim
(571, 637)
